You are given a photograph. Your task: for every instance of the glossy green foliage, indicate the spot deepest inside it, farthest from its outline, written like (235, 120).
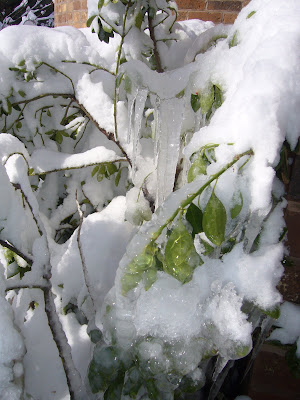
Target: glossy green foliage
(133, 383)
(194, 216)
(181, 257)
(214, 220)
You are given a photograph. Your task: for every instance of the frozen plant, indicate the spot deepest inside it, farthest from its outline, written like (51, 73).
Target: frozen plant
(141, 217)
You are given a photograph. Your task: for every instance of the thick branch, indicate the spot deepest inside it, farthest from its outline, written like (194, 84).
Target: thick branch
(155, 50)
(72, 375)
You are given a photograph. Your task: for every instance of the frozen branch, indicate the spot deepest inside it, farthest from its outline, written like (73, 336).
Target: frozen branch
(7, 245)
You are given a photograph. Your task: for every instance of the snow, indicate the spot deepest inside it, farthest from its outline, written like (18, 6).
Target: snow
(171, 326)
(288, 331)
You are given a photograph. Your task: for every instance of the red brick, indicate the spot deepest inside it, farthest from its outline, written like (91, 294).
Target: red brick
(191, 4)
(224, 5)
(84, 4)
(229, 18)
(77, 5)
(215, 17)
(182, 15)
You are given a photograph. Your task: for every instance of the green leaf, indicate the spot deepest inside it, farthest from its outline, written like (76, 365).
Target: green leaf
(214, 220)
(197, 168)
(194, 217)
(100, 177)
(119, 79)
(48, 113)
(8, 106)
(50, 132)
(100, 4)
(251, 14)
(273, 313)
(21, 93)
(139, 20)
(179, 245)
(207, 247)
(97, 381)
(180, 254)
(207, 99)
(118, 177)
(114, 391)
(13, 69)
(127, 84)
(16, 107)
(95, 170)
(238, 205)
(180, 94)
(95, 335)
(58, 137)
(218, 97)
(130, 281)
(133, 383)
(31, 171)
(90, 20)
(150, 277)
(234, 41)
(111, 168)
(21, 63)
(195, 102)
(19, 125)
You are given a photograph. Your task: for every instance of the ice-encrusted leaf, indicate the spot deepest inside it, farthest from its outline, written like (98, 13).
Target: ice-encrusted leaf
(207, 99)
(195, 102)
(238, 205)
(197, 168)
(214, 220)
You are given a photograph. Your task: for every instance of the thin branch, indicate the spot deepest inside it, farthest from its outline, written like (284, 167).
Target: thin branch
(58, 71)
(6, 244)
(75, 167)
(109, 135)
(84, 268)
(18, 187)
(96, 67)
(25, 286)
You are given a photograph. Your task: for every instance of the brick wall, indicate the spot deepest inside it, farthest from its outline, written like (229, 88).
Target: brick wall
(218, 11)
(74, 12)
(70, 12)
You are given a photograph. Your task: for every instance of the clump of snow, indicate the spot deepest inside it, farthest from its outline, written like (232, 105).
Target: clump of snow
(288, 331)
(11, 350)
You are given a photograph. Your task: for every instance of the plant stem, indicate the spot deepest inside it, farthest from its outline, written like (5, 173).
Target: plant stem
(191, 197)
(155, 50)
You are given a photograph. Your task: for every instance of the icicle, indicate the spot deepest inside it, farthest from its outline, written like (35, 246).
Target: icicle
(221, 370)
(140, 101)
(131, 101)
(170, 116)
